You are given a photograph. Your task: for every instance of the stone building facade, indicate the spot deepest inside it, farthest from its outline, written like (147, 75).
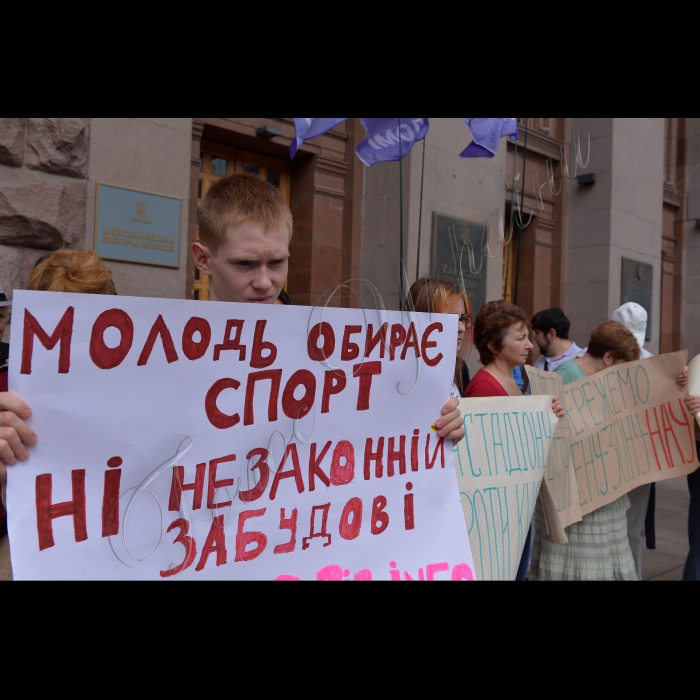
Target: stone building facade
(579, 236)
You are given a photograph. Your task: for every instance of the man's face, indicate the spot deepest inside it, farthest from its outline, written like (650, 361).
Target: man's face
(249, 266)
(543, 342)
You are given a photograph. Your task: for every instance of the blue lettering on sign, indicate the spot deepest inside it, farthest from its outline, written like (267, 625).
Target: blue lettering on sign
(507, 444)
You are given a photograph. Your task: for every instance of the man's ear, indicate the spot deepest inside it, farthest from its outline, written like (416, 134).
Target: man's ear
(608, 359)
(201, 257)
(552, 334)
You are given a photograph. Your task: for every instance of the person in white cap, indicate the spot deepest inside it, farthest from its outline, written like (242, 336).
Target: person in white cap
(634, 317)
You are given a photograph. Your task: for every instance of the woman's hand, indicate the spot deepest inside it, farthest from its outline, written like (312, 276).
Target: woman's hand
(15, 434)
(682, 379)
(557, 408)
(693, 403)
(449, 425)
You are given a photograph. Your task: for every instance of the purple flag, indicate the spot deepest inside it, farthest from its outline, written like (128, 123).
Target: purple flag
(382, 141)
(310, 128)
(487, 132)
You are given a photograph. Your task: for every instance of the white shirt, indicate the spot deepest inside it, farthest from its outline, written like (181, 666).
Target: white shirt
(554, 362)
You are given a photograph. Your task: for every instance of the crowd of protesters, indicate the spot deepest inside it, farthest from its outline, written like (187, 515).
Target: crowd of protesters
(244, 218)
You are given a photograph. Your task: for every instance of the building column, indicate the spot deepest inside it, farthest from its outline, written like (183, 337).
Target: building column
(619, 216)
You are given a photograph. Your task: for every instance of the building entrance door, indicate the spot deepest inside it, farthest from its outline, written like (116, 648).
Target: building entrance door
(215, 162)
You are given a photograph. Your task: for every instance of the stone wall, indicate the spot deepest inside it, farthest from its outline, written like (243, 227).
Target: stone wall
(43, 191)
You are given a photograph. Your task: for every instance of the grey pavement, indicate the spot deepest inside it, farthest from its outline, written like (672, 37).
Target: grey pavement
(665, 563)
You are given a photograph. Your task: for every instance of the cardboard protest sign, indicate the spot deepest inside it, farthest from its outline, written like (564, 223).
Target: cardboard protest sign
(694, 381)
(184, 440)
(500, 465)
(560, 499)
(629, 427)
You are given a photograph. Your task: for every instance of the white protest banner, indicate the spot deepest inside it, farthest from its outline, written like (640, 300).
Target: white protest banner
(189, 440)
(560, 479)
(629, 427)
(694, 381)
(500, 465)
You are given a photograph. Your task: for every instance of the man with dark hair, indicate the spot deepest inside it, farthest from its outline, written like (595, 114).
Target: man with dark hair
(551, 329)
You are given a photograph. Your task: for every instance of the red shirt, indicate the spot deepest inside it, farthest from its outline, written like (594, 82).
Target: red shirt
(484, 385)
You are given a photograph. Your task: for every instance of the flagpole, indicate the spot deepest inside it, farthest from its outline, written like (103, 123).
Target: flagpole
(520, 219)
(420, 211)
(511, 228)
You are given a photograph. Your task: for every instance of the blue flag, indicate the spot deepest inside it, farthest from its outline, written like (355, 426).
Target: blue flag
(382, 141)
(487, 132)
(310, 128)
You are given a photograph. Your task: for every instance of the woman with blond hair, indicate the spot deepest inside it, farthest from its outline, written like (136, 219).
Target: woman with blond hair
(79, 271)
(443, 297)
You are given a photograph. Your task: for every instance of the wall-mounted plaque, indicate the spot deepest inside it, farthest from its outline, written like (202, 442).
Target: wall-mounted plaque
(448, 248)
(137, 227)
(637, 278)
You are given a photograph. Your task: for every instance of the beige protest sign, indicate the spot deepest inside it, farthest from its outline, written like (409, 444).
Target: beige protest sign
(560, 498)
(500, 465)
(629, 427)
(694, 381)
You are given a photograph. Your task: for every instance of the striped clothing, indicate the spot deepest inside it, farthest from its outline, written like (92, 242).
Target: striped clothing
(598, 548)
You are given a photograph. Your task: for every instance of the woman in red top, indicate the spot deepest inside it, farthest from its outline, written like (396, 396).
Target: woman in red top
(502, 337)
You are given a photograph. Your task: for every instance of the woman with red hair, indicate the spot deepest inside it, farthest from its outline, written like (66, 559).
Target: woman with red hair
(442, 297)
